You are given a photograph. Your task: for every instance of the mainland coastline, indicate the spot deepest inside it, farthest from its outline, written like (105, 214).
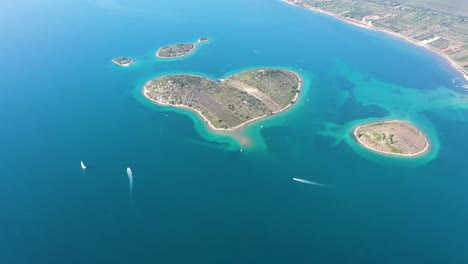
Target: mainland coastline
(354, 22)
(392, 137)
(252, 97)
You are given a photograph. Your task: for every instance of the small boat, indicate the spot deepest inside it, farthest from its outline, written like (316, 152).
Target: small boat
(129, 172)
(83, 166)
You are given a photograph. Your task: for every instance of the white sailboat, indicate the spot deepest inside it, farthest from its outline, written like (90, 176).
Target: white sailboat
(83, 166)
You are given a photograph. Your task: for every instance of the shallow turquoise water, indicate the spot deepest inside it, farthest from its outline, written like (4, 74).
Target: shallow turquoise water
(196, 197)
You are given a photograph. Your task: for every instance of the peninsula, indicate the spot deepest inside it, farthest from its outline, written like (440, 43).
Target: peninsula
(439, 25)
(123, 61)
(234, 101)
(175, 50)
(392, 137)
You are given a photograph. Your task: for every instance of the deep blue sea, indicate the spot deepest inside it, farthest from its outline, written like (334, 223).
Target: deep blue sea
(197, 198)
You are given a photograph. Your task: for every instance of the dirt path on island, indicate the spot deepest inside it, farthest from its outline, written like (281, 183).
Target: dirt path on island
(255, 93)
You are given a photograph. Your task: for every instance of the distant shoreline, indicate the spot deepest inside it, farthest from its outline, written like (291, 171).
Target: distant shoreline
(408, 39)
(419, 153)
(238, 127)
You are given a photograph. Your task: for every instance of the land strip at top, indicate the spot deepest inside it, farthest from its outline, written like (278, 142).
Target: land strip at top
(440, 25)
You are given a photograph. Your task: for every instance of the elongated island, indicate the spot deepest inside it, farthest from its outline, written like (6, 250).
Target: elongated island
(234, 101)
(175, 50)
(392, 137)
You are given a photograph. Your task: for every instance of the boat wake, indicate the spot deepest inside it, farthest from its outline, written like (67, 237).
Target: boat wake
(311, 183)
(130, 180)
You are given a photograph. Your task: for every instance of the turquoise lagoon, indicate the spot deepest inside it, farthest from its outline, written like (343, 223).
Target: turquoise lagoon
(196, 197)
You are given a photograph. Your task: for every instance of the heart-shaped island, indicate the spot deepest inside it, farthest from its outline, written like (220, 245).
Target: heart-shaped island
(233, 102)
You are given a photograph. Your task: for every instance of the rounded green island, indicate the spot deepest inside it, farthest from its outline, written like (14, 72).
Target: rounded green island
(234, 101)
(123, 61)
(392, 137)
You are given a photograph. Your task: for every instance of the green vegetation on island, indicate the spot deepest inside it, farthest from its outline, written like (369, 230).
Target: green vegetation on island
(123, 61)
(175, 50)
(392, 137)
(202, 39)
(233, 102)
(441, 25)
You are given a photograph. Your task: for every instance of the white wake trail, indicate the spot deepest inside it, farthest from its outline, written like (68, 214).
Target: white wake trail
(312, 183)
(130, 180)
